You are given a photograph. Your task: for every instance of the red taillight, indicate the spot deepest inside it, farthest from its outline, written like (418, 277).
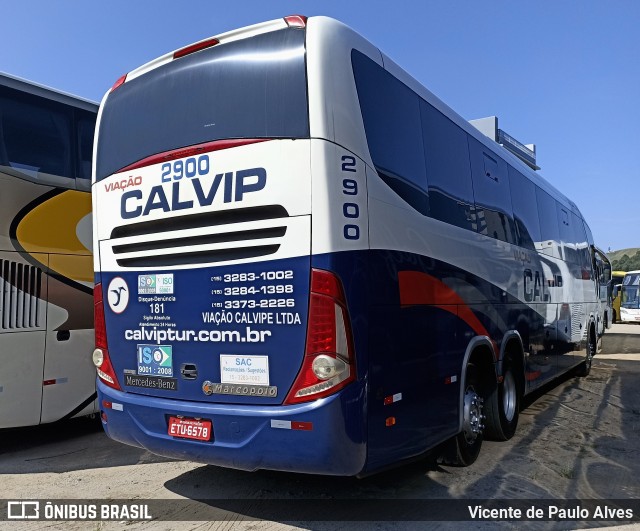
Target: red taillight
(296, 21)
(195, 47)
(101, 358)
(329, 361)
(119, 82)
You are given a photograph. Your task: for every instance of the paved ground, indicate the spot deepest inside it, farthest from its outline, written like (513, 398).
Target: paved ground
(578, 439)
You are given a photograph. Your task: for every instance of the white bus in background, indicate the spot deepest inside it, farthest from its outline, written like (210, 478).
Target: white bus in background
(46, 274)
(306, 261)
(630, 302)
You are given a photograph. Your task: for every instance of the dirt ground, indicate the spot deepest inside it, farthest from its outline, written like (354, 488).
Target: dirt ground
(577, 439)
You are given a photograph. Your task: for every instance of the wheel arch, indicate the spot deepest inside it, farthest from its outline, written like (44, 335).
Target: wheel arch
(480, 350)
(512, 344)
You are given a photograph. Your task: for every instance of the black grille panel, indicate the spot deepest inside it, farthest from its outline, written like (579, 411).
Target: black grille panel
(198, 257)
(225, 237)
(208, 237)
(20, 287)
(198, 221)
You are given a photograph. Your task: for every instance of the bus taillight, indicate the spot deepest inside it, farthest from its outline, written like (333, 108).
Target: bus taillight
(119, 82)
(296, 21)
(100, 356)
(192, 48)
(329, 363)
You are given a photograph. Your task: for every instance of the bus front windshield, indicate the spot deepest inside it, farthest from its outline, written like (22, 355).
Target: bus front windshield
(630, 297)
(630, 291)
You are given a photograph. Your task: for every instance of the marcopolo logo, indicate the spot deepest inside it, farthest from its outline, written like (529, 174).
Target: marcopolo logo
(118, 295)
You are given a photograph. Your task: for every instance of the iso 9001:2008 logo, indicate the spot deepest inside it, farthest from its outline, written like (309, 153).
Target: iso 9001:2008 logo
(155, 284)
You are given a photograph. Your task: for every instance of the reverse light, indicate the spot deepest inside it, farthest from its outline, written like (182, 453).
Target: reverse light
(326, 367)
(329, 362)
(100, 355)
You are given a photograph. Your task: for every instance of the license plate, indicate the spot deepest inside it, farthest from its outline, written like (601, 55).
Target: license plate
(199, 430)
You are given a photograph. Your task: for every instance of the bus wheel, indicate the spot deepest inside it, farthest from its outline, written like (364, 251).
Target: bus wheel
(585, 367)
(503, 405)
(464, 448)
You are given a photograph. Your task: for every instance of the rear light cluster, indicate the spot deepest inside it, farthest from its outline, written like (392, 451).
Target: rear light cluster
(101, 358)
(293, 21)
(329, 361)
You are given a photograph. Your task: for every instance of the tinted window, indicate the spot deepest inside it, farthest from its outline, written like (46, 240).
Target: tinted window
(391, 116)
(567, 235)
(583, 250)
(251, 88)
(525, 209)
(446, 152)
(86, 124)
(549, 230)
(35, 137)
(491, 190)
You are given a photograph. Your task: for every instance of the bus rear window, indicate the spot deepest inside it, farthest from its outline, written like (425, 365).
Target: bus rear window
(251, 88)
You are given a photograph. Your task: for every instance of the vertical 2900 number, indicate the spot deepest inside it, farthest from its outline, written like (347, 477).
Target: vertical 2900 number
(350, 210)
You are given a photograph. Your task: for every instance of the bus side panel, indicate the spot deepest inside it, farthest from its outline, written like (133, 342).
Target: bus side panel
(23, 300)
(21, 354)
(68, 371)
(412, 406)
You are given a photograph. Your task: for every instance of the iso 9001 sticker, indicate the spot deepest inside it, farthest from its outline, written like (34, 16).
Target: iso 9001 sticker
(155, 360)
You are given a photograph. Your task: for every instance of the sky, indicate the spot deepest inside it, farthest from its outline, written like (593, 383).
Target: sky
(562, 74)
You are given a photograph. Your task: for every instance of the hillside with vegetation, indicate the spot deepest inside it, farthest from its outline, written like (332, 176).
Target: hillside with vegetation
(625, 259)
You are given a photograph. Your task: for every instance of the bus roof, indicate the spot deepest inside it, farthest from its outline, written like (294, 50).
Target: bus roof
(43, 91)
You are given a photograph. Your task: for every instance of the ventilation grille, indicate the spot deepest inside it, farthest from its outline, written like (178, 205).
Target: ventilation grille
(200, 238)
(577, 315)
(20, 286)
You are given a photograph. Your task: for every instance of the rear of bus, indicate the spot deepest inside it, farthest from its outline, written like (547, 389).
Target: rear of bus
(219, 337)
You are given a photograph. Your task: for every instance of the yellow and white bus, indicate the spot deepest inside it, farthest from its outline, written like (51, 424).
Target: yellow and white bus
(616, 293)
(46, 274)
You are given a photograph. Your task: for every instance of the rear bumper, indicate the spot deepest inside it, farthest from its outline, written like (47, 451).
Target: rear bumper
(326, 436)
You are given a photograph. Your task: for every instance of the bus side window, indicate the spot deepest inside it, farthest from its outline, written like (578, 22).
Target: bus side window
(525, 210)
(492, 195)
(548, 218)
(85, 130)
(36, 140)
(448, 171)
(391, 116)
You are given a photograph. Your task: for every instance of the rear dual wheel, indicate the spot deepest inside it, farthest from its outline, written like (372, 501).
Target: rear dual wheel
(502, 406)
(464, 448)
(585, 367)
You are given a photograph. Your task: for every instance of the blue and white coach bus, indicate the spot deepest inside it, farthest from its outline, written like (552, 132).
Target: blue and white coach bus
(306, 261)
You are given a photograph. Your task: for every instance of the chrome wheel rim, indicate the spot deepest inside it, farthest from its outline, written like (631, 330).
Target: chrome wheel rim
(472, 419)
(509, 396)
